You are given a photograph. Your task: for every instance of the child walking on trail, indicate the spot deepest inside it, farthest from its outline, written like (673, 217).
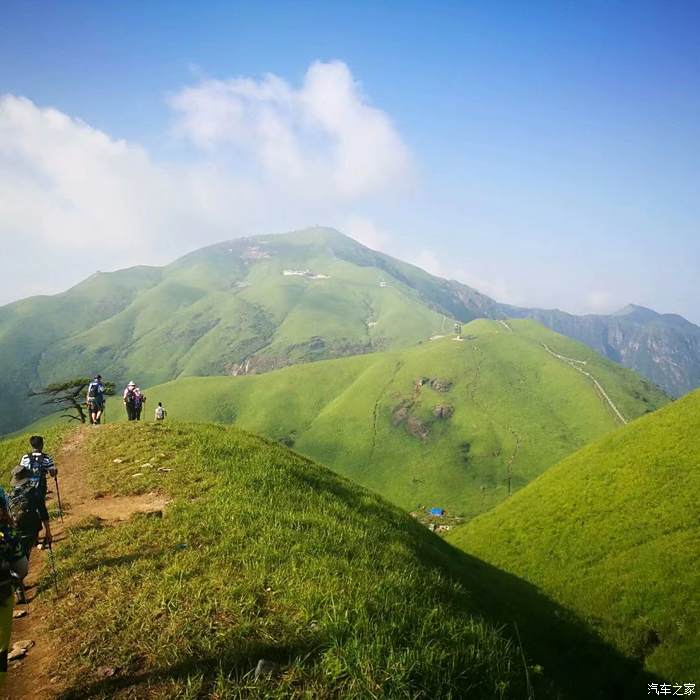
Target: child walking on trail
(160, 412)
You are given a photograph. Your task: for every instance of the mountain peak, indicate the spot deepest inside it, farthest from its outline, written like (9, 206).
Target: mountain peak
(637, 313)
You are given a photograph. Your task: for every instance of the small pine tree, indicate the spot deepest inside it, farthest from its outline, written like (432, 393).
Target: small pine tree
(69, 395)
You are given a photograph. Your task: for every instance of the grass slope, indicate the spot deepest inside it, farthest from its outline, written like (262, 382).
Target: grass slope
(262, 553)
(613, 532)
(516, 410)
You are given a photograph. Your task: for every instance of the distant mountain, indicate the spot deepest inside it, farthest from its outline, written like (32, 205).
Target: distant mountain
(664, 348)
(447, 423)
(613, 533)
(255, 304)
(248, 305)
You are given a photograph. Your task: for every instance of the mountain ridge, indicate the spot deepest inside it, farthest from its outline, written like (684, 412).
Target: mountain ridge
(257, 303)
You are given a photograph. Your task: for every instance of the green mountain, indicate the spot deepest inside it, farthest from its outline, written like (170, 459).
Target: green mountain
(262, 554)
(249, 305)
(613, 532)
(256, 304)
(448, 423)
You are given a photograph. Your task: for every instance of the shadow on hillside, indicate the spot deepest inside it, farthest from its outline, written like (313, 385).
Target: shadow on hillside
(576, 662)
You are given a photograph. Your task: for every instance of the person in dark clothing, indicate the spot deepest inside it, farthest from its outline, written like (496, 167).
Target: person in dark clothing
(13, 564)
(40, 464)
(130, 401)
(96, 400)
(28, 509)
(139, 402)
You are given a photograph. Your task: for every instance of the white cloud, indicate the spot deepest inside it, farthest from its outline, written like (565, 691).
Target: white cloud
(320, 139)
(267, 157)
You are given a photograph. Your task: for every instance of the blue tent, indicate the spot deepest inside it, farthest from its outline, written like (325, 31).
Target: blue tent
(437, 511)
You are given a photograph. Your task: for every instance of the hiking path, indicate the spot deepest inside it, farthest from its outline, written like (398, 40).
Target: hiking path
(33, 677)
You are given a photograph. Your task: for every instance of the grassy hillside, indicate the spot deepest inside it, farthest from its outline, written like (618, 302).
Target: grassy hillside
(445, 423)
(613, 532)
(263, 554)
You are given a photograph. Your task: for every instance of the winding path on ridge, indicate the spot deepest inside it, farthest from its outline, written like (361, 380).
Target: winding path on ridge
(575, 364)
(30, 678)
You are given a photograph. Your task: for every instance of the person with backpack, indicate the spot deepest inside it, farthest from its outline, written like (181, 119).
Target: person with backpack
(139, 400)
(13, 564)
(160, 412)
(28, 510)
(96, 399)
(39, 464)
(130, 401)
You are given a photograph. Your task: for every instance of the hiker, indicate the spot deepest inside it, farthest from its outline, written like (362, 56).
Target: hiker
(96, 400)
(160, 412)
(130, 400)
(39, 464)
(28, 510)
(12, 561)
(139, 401)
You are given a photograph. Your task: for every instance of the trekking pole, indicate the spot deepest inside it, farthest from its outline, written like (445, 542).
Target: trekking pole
(58, 495)
(53, 565)
(24, 595)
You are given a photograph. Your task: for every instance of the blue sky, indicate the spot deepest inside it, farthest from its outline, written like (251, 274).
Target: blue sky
(546, 153)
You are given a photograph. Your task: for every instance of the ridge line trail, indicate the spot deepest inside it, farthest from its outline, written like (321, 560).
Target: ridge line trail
(574, 363)
(30, 678)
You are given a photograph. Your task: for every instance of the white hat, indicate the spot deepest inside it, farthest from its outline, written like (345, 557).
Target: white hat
(131, 384)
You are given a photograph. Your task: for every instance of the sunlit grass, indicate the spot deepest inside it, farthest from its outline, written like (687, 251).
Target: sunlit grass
(614, 533)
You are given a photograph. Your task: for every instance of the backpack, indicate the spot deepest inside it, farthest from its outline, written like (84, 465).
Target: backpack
(22, 506)
(35, 465)
(160, 413)
(130, 396)
(93, 391)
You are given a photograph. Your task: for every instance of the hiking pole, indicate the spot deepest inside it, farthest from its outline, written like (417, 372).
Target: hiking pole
(58, 495)
(24, 594)
(53, 565)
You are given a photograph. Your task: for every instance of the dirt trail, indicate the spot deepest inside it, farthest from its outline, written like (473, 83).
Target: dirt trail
(31, 678)
(575, 364)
